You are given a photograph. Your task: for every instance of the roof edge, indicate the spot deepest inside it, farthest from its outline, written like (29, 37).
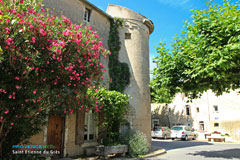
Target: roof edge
(98, 9)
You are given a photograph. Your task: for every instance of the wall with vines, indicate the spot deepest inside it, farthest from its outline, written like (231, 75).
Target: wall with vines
(118, 71)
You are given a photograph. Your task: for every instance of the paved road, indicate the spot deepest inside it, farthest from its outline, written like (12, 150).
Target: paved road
(196, 150)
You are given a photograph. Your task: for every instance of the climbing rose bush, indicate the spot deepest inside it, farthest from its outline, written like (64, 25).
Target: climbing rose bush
(46, 66)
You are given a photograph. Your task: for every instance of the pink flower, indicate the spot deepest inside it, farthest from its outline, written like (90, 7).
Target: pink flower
(33, 40)
(21, 1)
(35, 91)
(12, 124)
(18, 87)
(9, 41)
(8, 30)
(10, 96)
(90, 27)
(42, 32)
(58, 51)
(6, 112)
(67, 33)
(42, 10)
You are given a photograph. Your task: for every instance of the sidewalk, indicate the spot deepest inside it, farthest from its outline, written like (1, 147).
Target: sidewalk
(153, 152)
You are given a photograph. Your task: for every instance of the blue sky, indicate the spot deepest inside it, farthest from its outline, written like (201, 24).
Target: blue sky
(168, 16)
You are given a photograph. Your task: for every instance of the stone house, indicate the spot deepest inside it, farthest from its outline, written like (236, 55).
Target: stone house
(77, 134)
(207, 114)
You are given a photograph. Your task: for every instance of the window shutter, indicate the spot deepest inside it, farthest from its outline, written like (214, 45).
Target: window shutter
(80, 118)
(101, 129)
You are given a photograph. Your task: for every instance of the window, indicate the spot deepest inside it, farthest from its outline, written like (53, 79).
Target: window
(127, 35)
(87, 15)
(216, 124)
(215, 108)
(201, 125)
(197, 109)
(177, 128)
(89, 126)
(187, 110)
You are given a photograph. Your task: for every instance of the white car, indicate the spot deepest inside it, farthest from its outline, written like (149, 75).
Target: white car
(182, 132)
(161, 132)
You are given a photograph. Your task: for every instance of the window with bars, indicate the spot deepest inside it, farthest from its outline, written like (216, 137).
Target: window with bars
(87, 15)
(89, 127)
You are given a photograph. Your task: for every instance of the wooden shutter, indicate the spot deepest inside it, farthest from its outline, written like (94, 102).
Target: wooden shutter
(101, 134)
(80, 118)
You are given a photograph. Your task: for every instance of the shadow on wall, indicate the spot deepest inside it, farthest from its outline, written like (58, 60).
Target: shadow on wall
(226, 154)
(169, 117)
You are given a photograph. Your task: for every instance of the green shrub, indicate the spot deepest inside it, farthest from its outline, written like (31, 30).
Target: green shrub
(137, 143)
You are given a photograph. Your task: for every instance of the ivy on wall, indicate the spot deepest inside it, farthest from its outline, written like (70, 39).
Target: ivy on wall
(118, 71)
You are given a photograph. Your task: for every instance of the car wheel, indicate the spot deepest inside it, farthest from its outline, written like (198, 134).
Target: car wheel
(165, 136)
(172, 138)
(186, 138)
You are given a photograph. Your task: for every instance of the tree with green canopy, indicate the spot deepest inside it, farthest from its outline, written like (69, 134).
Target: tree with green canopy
(205, 56)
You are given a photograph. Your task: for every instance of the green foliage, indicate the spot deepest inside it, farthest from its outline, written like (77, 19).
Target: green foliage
(119, 72)
(159, 94)
(46, 66)
(137, 143)
(206, 55)
(114, 106)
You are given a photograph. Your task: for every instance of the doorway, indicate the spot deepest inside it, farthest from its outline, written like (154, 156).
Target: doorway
(55, 134)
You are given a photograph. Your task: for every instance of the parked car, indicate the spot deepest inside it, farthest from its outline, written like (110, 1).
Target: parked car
(183, 132)
(161, 132)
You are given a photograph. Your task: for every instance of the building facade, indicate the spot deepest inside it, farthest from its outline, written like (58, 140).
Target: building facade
(206, 114)
(78, 133)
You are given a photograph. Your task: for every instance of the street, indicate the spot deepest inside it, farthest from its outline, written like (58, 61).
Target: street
(196, 150)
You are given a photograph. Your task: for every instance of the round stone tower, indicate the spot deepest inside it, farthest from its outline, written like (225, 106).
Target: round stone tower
(134, 37)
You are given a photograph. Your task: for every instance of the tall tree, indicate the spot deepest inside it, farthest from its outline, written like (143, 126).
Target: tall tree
(205, 56)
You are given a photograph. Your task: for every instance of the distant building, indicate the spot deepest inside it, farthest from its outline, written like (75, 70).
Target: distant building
(208, 113)
(77, 134)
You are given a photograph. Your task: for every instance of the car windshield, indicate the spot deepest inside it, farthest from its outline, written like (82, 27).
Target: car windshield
(177, 128)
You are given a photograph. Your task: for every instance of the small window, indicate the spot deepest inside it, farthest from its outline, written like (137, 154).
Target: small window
(87, 15)
(216, 124)
(89, 126)
(197, 109)
(127, 35)
(187, 110)
(215, 108)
